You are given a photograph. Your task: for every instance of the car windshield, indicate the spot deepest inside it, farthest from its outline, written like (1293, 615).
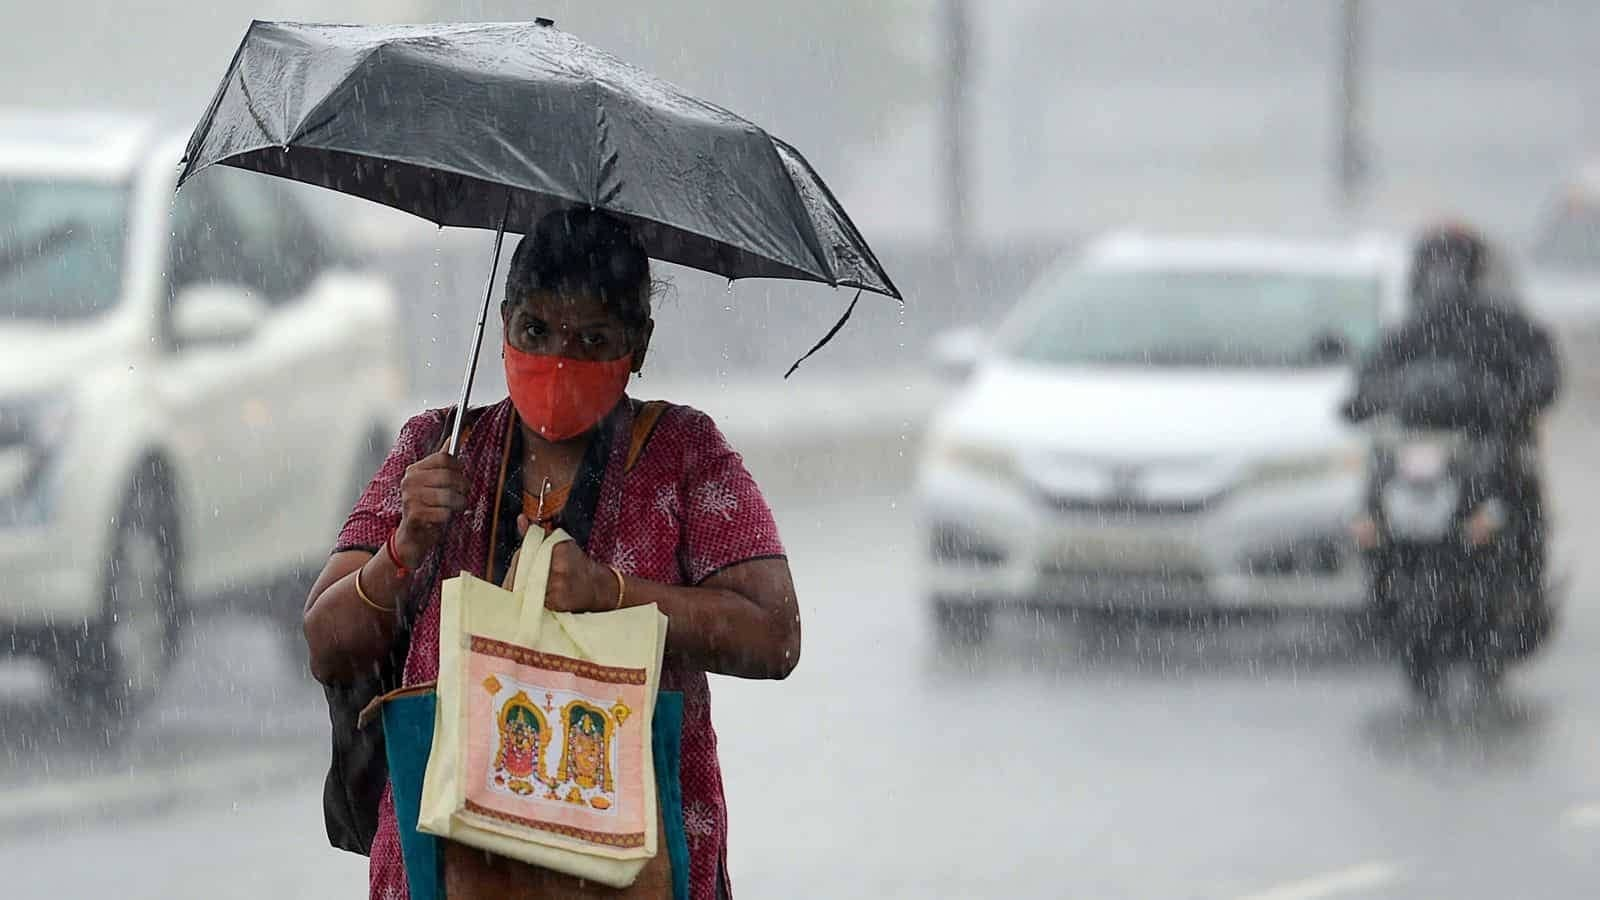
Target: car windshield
(61, 243)
(1197, 317)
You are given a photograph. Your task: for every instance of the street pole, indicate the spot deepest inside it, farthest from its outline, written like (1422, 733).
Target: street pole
(955, 31)
(1351, 151)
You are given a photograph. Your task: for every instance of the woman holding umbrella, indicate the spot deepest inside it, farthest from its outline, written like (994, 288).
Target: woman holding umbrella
(665, 515)
(522, 127)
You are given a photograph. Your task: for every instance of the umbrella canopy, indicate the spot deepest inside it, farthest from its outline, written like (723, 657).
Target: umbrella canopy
(491, 125)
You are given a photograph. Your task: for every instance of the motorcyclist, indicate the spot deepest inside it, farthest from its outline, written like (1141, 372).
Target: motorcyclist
(1455, 316)
(1458, 315)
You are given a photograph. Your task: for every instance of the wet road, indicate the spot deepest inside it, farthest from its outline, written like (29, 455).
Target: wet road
(1246, 765)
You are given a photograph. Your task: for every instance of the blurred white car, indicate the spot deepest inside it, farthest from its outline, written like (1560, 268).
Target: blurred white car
(191, 389)
(1155, 429)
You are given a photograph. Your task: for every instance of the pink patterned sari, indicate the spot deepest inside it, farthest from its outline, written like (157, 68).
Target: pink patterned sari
(685, 511)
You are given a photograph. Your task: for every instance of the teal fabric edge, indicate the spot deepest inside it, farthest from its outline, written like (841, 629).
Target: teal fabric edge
(666, 744)
(408, 739)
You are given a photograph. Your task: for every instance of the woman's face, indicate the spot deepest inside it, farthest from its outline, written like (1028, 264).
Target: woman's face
(578, 326)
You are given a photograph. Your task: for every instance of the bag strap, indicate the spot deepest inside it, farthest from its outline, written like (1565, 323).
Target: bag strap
(578, 516)
(644, 425)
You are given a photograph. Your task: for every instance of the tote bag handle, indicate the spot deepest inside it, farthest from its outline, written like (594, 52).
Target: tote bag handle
(533, 575)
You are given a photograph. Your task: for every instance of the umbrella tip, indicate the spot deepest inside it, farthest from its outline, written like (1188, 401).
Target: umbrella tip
(543, 21)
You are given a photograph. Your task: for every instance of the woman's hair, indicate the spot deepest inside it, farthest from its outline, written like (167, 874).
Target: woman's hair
(584, 251)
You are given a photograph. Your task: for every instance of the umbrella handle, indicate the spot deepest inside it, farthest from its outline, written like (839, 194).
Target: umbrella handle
(477, 334)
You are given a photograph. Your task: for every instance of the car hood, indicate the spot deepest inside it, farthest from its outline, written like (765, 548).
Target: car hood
(1144, 415)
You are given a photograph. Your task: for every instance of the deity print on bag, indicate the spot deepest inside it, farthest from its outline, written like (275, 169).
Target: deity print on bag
(550, 737)
(585, 772)
(524, 736)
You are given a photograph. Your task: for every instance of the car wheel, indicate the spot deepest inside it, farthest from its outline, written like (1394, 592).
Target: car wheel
(962, 624)
(119, 662)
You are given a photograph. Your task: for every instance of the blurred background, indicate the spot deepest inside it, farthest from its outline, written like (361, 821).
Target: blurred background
(983, 148)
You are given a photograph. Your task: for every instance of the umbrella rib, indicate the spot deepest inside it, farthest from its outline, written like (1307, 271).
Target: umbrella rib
(200, 135)
(305, 127)
(806, 227)
(608, 156)
(844, 218)
(250, 107)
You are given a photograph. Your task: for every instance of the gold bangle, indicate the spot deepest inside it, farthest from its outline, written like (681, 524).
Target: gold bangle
(368, 600)
(622, 588)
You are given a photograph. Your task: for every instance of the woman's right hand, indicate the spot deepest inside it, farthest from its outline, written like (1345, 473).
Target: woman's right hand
(432, 490)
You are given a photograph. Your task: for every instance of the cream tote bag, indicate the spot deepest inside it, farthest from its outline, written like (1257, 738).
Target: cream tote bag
(541, 744)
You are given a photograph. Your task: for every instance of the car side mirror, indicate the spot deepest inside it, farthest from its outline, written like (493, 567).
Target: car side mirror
(955, 353)
(216, 314)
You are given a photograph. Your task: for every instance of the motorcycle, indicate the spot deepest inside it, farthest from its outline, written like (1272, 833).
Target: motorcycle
(1451, 534)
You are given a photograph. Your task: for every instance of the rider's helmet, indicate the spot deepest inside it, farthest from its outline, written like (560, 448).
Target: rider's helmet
(1449, 264)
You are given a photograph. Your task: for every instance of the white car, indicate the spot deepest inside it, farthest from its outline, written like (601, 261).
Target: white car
(191, 388)
(1155, 429)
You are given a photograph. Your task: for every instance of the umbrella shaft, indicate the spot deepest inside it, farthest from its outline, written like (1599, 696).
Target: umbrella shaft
(477, 334)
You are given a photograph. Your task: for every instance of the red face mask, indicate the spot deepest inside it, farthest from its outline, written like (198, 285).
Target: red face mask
(561, 398)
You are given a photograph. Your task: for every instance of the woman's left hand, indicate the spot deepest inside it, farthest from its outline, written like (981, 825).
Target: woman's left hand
(579, 584)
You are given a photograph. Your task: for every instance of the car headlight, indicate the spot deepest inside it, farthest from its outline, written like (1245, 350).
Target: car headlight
(32, 428)
(982, 459)
(38, 421)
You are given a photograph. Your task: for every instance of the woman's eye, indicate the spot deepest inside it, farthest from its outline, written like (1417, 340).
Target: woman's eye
(537, 328)
(594, 339)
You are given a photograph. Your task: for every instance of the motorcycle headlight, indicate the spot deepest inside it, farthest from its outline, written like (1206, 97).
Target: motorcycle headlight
(1422, 511)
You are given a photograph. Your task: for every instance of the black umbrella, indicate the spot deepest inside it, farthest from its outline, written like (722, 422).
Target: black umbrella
(495, 125)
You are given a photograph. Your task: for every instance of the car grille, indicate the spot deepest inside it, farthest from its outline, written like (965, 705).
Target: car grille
(1128, 507)
(1070, 569)
(1152, 587)
(1317, 556)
